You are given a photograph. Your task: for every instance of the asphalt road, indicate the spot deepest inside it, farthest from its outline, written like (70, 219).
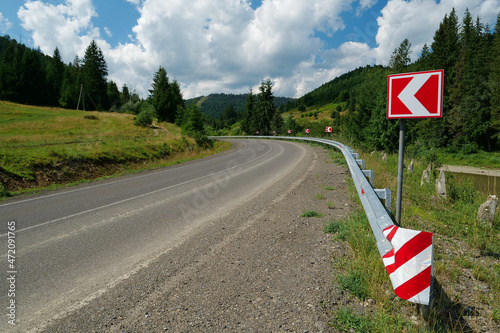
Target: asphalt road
(75, 244)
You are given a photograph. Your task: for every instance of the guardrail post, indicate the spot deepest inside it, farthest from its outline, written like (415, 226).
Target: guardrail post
(361, 164)
(370, 175)
(355, 155)
(386, 195)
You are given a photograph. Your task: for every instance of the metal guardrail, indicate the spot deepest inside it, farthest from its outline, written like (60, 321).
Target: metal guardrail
(402, 271)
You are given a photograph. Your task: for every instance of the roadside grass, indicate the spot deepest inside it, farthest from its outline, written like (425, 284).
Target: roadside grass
(478, 159)
(466, 253)
(311, 213)
(319, 196)
(37, 139)
(337, 157)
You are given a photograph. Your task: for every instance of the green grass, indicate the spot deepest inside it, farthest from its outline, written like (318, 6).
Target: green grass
(35, 137)
(319, 196)
(40, 139)
(311, 213)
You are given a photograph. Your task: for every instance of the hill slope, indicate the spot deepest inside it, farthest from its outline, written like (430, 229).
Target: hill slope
(213, 105)
(42, 146)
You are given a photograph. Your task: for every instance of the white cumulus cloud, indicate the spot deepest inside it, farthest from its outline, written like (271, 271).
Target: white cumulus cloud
(4, 24)
(67, 26)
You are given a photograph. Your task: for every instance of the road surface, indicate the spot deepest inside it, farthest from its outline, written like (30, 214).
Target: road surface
(73, 245)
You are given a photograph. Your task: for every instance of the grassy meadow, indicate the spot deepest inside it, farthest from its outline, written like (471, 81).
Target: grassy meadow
(34, 140)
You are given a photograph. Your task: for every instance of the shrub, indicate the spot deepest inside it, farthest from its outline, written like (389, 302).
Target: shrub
(145, 117)
(91, 117)
(203, 141)
(3, 192)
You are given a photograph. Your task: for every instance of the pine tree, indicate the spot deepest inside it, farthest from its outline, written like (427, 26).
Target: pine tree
(401, 57)
(94, 73)
(10, 72)
(494, 83)
(71, 87)
(265, 107)
(55, 77)
(248, 124)
(113, 96)
(194, 124)
(32, 79)
(166, 97)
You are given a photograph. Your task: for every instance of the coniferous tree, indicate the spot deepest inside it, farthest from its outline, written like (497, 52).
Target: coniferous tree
(166, 97)
(10, 72)
(32, 79)
(401, 57)
(265, 107)
(71, 87)
(94, 73)
(494, 82)
(113, 95)
(248, 124)
(55, 77)
(125, 95)
(194, 121)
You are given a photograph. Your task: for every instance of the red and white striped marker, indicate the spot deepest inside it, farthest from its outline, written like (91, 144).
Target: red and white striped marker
(409, 263)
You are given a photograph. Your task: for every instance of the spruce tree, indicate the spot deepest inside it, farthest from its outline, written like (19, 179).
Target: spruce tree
(248, 124)
(55, 77)
(94, 74)
(401, 57)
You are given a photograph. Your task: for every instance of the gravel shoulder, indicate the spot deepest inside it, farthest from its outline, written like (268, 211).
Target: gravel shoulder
(261, 268)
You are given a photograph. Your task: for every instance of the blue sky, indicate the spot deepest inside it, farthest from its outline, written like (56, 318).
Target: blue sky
(231, 45)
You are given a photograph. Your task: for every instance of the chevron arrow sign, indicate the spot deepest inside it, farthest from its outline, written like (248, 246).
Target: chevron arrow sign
(415, 95)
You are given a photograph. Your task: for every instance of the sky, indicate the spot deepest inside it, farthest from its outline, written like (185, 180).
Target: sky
(230, 46)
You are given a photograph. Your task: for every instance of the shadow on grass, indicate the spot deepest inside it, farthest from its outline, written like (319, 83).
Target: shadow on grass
(444, 315)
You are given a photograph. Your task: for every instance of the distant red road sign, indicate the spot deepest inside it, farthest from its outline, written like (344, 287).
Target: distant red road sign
(415, 95)
(307, 130)
(328, 129)
(289, 131)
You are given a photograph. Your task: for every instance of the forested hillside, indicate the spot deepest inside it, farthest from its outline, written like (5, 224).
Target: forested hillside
(469, 53)
(226, 109)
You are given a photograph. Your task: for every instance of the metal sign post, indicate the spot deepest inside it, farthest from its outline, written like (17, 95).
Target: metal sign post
(399, 198)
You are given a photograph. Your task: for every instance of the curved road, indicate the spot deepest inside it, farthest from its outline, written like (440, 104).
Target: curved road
(73, 245)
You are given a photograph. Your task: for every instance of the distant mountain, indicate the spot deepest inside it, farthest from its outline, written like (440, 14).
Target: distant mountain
(214, 104)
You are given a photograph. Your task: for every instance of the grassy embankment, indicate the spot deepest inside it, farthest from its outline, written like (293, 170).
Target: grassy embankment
(466, 253)
(42, 147)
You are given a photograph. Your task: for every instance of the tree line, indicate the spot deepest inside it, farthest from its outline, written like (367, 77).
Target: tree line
(28, 76)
